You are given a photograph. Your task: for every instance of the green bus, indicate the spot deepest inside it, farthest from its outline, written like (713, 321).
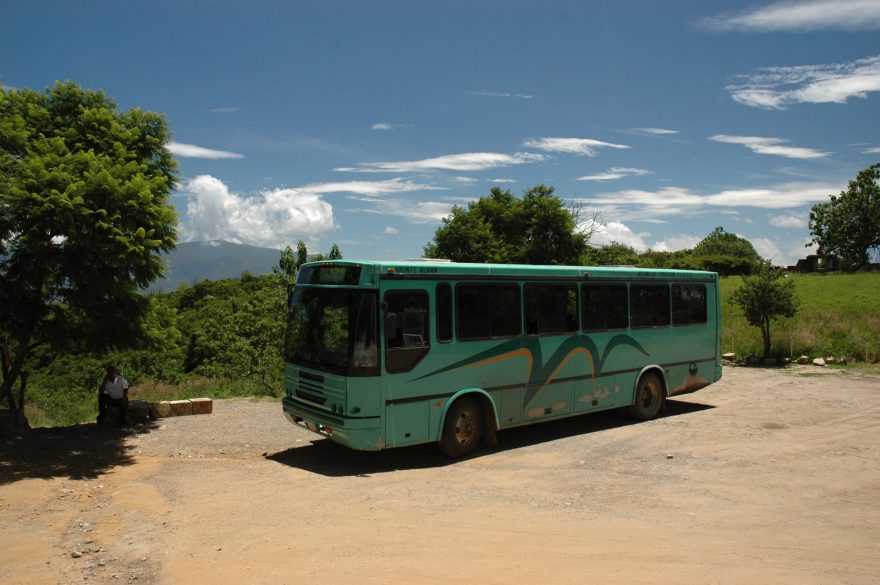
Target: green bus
(386, 354)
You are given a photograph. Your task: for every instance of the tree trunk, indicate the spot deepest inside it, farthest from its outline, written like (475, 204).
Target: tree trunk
(765, 333)
(12, 371)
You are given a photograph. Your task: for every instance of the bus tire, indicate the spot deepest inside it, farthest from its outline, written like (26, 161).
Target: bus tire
(649, 398)
(463, 428)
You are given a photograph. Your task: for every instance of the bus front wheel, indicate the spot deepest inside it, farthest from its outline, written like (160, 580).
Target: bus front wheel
(463, 428)
(649, 398)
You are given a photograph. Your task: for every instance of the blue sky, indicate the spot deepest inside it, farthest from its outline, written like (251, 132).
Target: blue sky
(363, 123)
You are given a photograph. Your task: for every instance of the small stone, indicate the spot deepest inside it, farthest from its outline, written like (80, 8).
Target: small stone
(670, 456)
(803, 360)
(819, 362)
(76, 554)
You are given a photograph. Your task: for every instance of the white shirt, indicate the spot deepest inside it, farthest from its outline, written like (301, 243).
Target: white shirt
(116, 388)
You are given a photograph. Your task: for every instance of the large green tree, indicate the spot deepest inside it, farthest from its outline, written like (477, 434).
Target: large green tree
(537, 229)
(764, 297)
(84, 215)
(848, 226)
(722, 243)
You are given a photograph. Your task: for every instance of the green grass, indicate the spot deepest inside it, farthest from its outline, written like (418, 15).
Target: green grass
(838, 314)
(47, 408)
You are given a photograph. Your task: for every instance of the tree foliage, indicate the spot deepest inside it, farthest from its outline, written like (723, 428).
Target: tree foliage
(234, 328)
(720, 251)
(848, 225)
(720, 243)
(84, 215)
(613, 254)
(764, 297)
(227, 334)
(537, 229)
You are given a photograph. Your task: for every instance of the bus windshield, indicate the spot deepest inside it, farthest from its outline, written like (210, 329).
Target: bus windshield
(334, 330)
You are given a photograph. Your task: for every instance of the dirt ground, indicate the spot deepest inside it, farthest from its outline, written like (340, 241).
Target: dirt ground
(769, 476)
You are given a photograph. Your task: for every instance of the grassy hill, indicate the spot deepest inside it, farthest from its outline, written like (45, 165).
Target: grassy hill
(839, 315)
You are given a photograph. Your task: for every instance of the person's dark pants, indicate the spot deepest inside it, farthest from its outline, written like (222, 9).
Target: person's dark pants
(120, 403)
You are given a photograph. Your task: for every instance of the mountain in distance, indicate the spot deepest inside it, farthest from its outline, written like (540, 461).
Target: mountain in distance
(191, 262)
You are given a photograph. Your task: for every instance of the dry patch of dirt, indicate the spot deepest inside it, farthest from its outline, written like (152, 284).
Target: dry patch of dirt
(769, 476)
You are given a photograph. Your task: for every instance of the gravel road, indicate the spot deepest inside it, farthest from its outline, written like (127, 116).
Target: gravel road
(769, 476)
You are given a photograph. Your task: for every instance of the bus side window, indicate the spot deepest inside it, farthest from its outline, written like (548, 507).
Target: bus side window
(406, 329)
(605, 307)
(487, 311)
(444, 312)
(551, 309)
(689, 304)
(649, 305)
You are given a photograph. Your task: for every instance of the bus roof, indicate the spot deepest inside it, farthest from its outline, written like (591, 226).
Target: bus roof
(429, 268)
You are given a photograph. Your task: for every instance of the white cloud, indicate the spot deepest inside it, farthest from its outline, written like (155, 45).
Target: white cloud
(391, 230)
(655, 131)
(788, 221)
(774, 146)
(270, 218)
(616, 231)
(801, 16)
(502, 181)
(675, 243)
(369, 188)
(223, 110)
(470, 161)
(578, 146)
(193, 151)
(779, 87)
(871, 151)
(522, 96)
(675, 200)
(767, 248)
(414, 211)
(386, 126)
(615, 173)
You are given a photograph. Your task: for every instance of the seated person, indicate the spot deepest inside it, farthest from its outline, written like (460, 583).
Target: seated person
(113, 391)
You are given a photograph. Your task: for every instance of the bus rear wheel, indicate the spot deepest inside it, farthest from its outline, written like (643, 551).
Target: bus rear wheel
(649, 398)
(463, 428)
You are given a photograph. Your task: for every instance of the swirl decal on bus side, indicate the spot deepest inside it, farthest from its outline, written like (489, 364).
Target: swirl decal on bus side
(541, 373)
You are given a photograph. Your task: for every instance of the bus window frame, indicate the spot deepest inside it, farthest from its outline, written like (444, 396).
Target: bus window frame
(569, 286)
(489, 284)
(668, 285)
(596, 284)
(414, 354)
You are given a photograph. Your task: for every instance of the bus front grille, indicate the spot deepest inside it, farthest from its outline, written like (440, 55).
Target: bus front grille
(327, 391)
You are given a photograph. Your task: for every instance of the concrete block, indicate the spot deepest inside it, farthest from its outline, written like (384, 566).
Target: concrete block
(202, 405)
(138, 411)
(181, 407)
(162, 409)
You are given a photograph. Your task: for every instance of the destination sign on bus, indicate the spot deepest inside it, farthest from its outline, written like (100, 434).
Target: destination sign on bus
(330, 274)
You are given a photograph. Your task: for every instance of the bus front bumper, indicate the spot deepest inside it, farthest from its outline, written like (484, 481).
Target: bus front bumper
(363, 434)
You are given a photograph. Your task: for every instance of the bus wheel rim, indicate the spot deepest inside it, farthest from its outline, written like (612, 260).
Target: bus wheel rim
(465, 428)
(649, 395)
